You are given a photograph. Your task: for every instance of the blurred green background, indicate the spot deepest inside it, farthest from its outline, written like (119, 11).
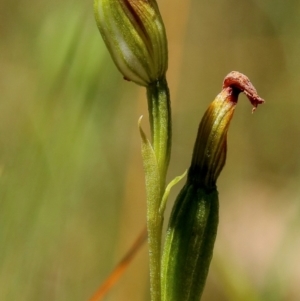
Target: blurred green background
(72, 198)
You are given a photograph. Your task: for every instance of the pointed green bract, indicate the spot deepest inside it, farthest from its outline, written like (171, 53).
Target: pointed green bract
(154, 219)
(151, 172)
(168, 190)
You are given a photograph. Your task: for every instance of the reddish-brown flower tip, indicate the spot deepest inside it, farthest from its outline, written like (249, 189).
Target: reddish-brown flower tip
(209, 154)
(241, 83)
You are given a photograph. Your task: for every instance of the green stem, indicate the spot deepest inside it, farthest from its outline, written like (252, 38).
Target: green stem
(160, 123)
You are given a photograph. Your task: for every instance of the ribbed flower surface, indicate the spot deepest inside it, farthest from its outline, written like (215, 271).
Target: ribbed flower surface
(135, 36)
(209, 154)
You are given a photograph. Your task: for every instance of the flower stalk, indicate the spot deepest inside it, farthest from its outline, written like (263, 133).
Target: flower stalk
(134, 34)
(156, 157)
(159, 108)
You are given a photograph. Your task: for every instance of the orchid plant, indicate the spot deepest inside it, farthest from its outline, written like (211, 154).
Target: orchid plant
(135, 36)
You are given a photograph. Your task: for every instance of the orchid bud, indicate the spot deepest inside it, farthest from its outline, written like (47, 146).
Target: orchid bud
(193, 223)
(134, 34)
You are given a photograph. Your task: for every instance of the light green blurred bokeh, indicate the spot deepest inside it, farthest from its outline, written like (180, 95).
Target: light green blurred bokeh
(71, 184)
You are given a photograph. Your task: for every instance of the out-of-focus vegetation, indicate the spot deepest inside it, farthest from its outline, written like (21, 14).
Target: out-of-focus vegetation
(71, 181)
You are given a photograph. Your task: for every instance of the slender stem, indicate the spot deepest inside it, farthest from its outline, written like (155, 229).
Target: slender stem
(161, 132)
(154, 226)
(160, 121)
